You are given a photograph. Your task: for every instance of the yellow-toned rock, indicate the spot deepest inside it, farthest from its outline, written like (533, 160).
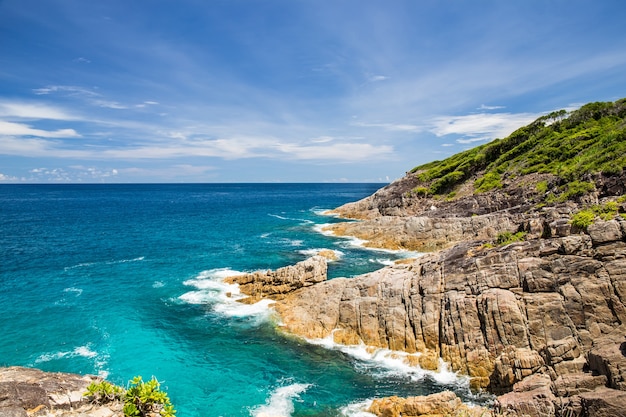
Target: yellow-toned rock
(436, 405)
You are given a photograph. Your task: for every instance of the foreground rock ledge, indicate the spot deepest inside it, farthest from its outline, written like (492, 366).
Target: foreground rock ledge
(540, 323)
(30, 392)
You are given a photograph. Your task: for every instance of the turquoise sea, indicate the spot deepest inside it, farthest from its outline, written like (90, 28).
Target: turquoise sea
(125, 280)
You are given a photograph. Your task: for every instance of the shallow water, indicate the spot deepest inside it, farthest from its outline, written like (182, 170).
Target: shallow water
(125, 280)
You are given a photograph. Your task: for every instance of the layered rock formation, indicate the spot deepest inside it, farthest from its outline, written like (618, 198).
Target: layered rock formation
(444, 404)
(540, 322)
(30, 392)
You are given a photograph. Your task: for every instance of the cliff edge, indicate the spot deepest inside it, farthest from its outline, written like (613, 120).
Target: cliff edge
(524, 285)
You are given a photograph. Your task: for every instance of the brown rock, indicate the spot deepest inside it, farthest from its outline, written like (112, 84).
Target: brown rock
(29, 392)
(275, 284)
(604, 402)
(537, 402)
(602, 232)
(436, 405)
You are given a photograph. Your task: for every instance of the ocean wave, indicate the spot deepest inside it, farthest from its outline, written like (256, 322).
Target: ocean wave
(222, 297)
(357, 409)
(384, 363)
(315, 251)
(83, 351)
(383, 261)
(119, 261)
(295, 219)
(280, 402)
(325, 212)
(76, 291)
(100, 360)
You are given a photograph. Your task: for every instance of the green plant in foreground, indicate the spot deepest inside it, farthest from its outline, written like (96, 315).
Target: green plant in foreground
(104, 392)
(145, 397)
(140, 399)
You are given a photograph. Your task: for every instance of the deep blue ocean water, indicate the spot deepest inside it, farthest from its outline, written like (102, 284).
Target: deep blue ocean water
(125, 280)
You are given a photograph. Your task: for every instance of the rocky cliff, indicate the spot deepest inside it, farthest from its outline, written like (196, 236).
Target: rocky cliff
(542, 322)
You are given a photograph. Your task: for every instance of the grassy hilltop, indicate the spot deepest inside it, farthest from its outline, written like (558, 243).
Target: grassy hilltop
(571, 147)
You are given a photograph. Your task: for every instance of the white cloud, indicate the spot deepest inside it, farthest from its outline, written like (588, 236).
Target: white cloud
(483, 126)
(19, 129)
(485, 107)
(399, 127)
(322, 139)
(71, 89)
(346, 152)
(109, 104)
(25, 110)
(73, 173)
(375, 78)
(7, 178)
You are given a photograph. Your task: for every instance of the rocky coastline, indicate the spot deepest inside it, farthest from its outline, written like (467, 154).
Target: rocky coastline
(541, 323)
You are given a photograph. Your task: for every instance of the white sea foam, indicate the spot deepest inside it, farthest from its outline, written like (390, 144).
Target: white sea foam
(312, 252)
(158, 284)
(81, 265)
(383, 261)
(325, 212)
(280, 402)
(321, 228)
(76, 291)
(222, 297)
(119, 261)
(278, 216)
(83, 351)
(385, 363)
(357, 409)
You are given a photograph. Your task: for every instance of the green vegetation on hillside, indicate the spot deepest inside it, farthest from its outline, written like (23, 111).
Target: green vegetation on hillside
(589, 140)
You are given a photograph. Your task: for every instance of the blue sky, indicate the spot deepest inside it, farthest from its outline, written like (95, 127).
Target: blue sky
(286, 90)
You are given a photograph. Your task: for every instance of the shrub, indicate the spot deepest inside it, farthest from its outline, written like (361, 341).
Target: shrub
(488, 182)
(446, 182)
(104, 392)
(542, 187)
(577, 189)
(420, 191)
(583, 219)
(141, 399)
(505, 238)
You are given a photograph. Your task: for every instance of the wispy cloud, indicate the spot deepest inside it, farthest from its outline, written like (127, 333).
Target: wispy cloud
(19, 129)
(480, 127)
(399, 127)
(485, 107)
(30, 110)
(68, 89)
